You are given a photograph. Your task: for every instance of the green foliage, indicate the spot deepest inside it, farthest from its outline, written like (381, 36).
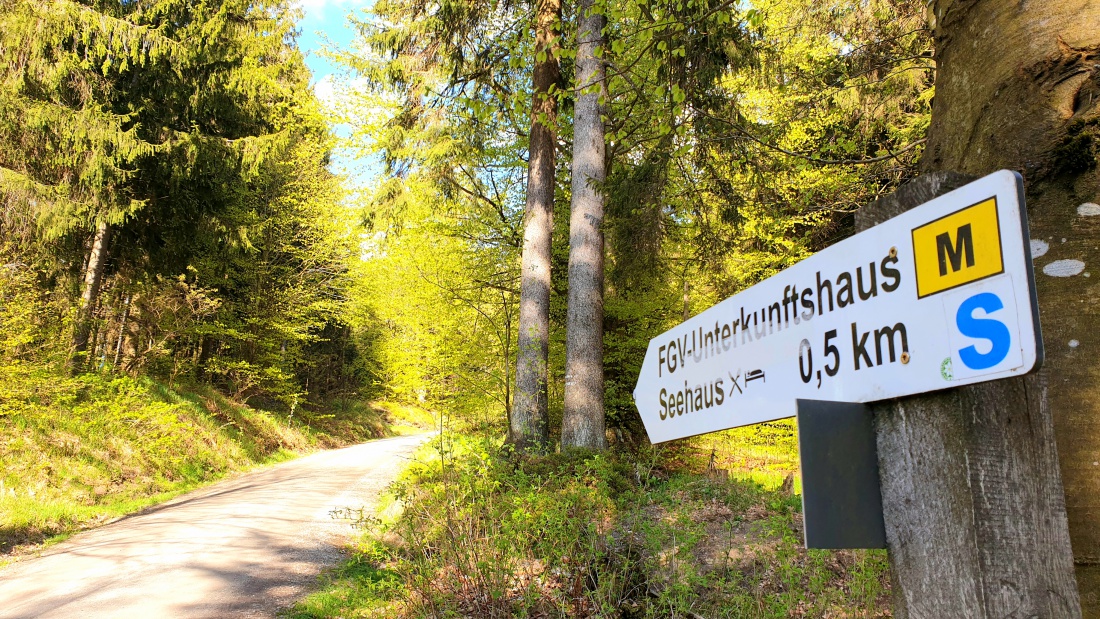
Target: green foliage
(18, 307)
(192, 131)
(441, 312)
(438, 289)
(476, 531)
(282, 285)
(104, 90)
(31, 319)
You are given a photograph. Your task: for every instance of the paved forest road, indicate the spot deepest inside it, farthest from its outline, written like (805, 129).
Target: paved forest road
(244, 547)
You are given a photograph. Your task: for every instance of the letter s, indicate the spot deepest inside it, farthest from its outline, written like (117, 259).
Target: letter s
(983, 328)
(890, 272)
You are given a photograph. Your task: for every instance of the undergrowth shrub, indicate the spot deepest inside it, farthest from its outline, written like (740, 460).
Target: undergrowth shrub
(17, 308)
(483, 536)
(31, 321)
(473, 530)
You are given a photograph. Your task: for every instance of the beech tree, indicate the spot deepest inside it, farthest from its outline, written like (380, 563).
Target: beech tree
(1017, 87)
(446, 104)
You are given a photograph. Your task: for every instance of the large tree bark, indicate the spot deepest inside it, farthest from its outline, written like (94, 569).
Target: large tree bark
(971, 493)
(93, 277)
(529, 421)
(1018, 87)
(583, 419)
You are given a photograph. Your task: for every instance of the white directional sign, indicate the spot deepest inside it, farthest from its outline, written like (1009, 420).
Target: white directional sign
(940, 296)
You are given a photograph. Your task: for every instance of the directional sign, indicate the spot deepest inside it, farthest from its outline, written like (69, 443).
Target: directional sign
(938, 297)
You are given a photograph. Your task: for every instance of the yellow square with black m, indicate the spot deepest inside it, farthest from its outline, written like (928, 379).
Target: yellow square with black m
(958, 249)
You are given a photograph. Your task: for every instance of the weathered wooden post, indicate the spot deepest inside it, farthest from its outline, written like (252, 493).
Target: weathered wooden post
(971, 490)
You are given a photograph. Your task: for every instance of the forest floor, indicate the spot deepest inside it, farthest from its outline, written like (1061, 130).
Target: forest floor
(78, 452)
(709, 528)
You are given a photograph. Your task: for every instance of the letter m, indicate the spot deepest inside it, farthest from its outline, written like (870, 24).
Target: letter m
(889, 333)
(953, 253)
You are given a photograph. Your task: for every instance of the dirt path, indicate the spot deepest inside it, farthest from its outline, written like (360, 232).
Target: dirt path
(240, 548)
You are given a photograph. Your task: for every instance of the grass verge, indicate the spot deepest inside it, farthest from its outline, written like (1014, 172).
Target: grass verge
(79, 451)
(472, 530)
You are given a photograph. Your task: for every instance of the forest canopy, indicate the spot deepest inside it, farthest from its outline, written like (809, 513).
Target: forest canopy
(167, 203)
(740, 139)
(169, 208)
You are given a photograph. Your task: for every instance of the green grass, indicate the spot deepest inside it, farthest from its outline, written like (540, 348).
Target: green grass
(765, 453)
(472, 530)
(358, 588)
(79, 451)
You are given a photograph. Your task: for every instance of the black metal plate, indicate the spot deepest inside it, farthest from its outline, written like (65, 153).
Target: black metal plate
(841, 496)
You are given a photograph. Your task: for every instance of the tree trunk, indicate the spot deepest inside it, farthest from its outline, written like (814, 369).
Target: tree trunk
(529, 419)
(1018, 87)
(93, 277)
(207, 349)
(971, 493)
(122, 330)
(583, 422)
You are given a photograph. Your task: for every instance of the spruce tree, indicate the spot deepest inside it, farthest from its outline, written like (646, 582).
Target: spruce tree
(583, 421)
(529, 423)
(130, 125)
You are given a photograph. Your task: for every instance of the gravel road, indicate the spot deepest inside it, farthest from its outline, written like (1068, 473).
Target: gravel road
(244, 547)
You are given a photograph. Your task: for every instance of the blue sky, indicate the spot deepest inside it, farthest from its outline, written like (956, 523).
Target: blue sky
(325, 20)
(325, 23)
